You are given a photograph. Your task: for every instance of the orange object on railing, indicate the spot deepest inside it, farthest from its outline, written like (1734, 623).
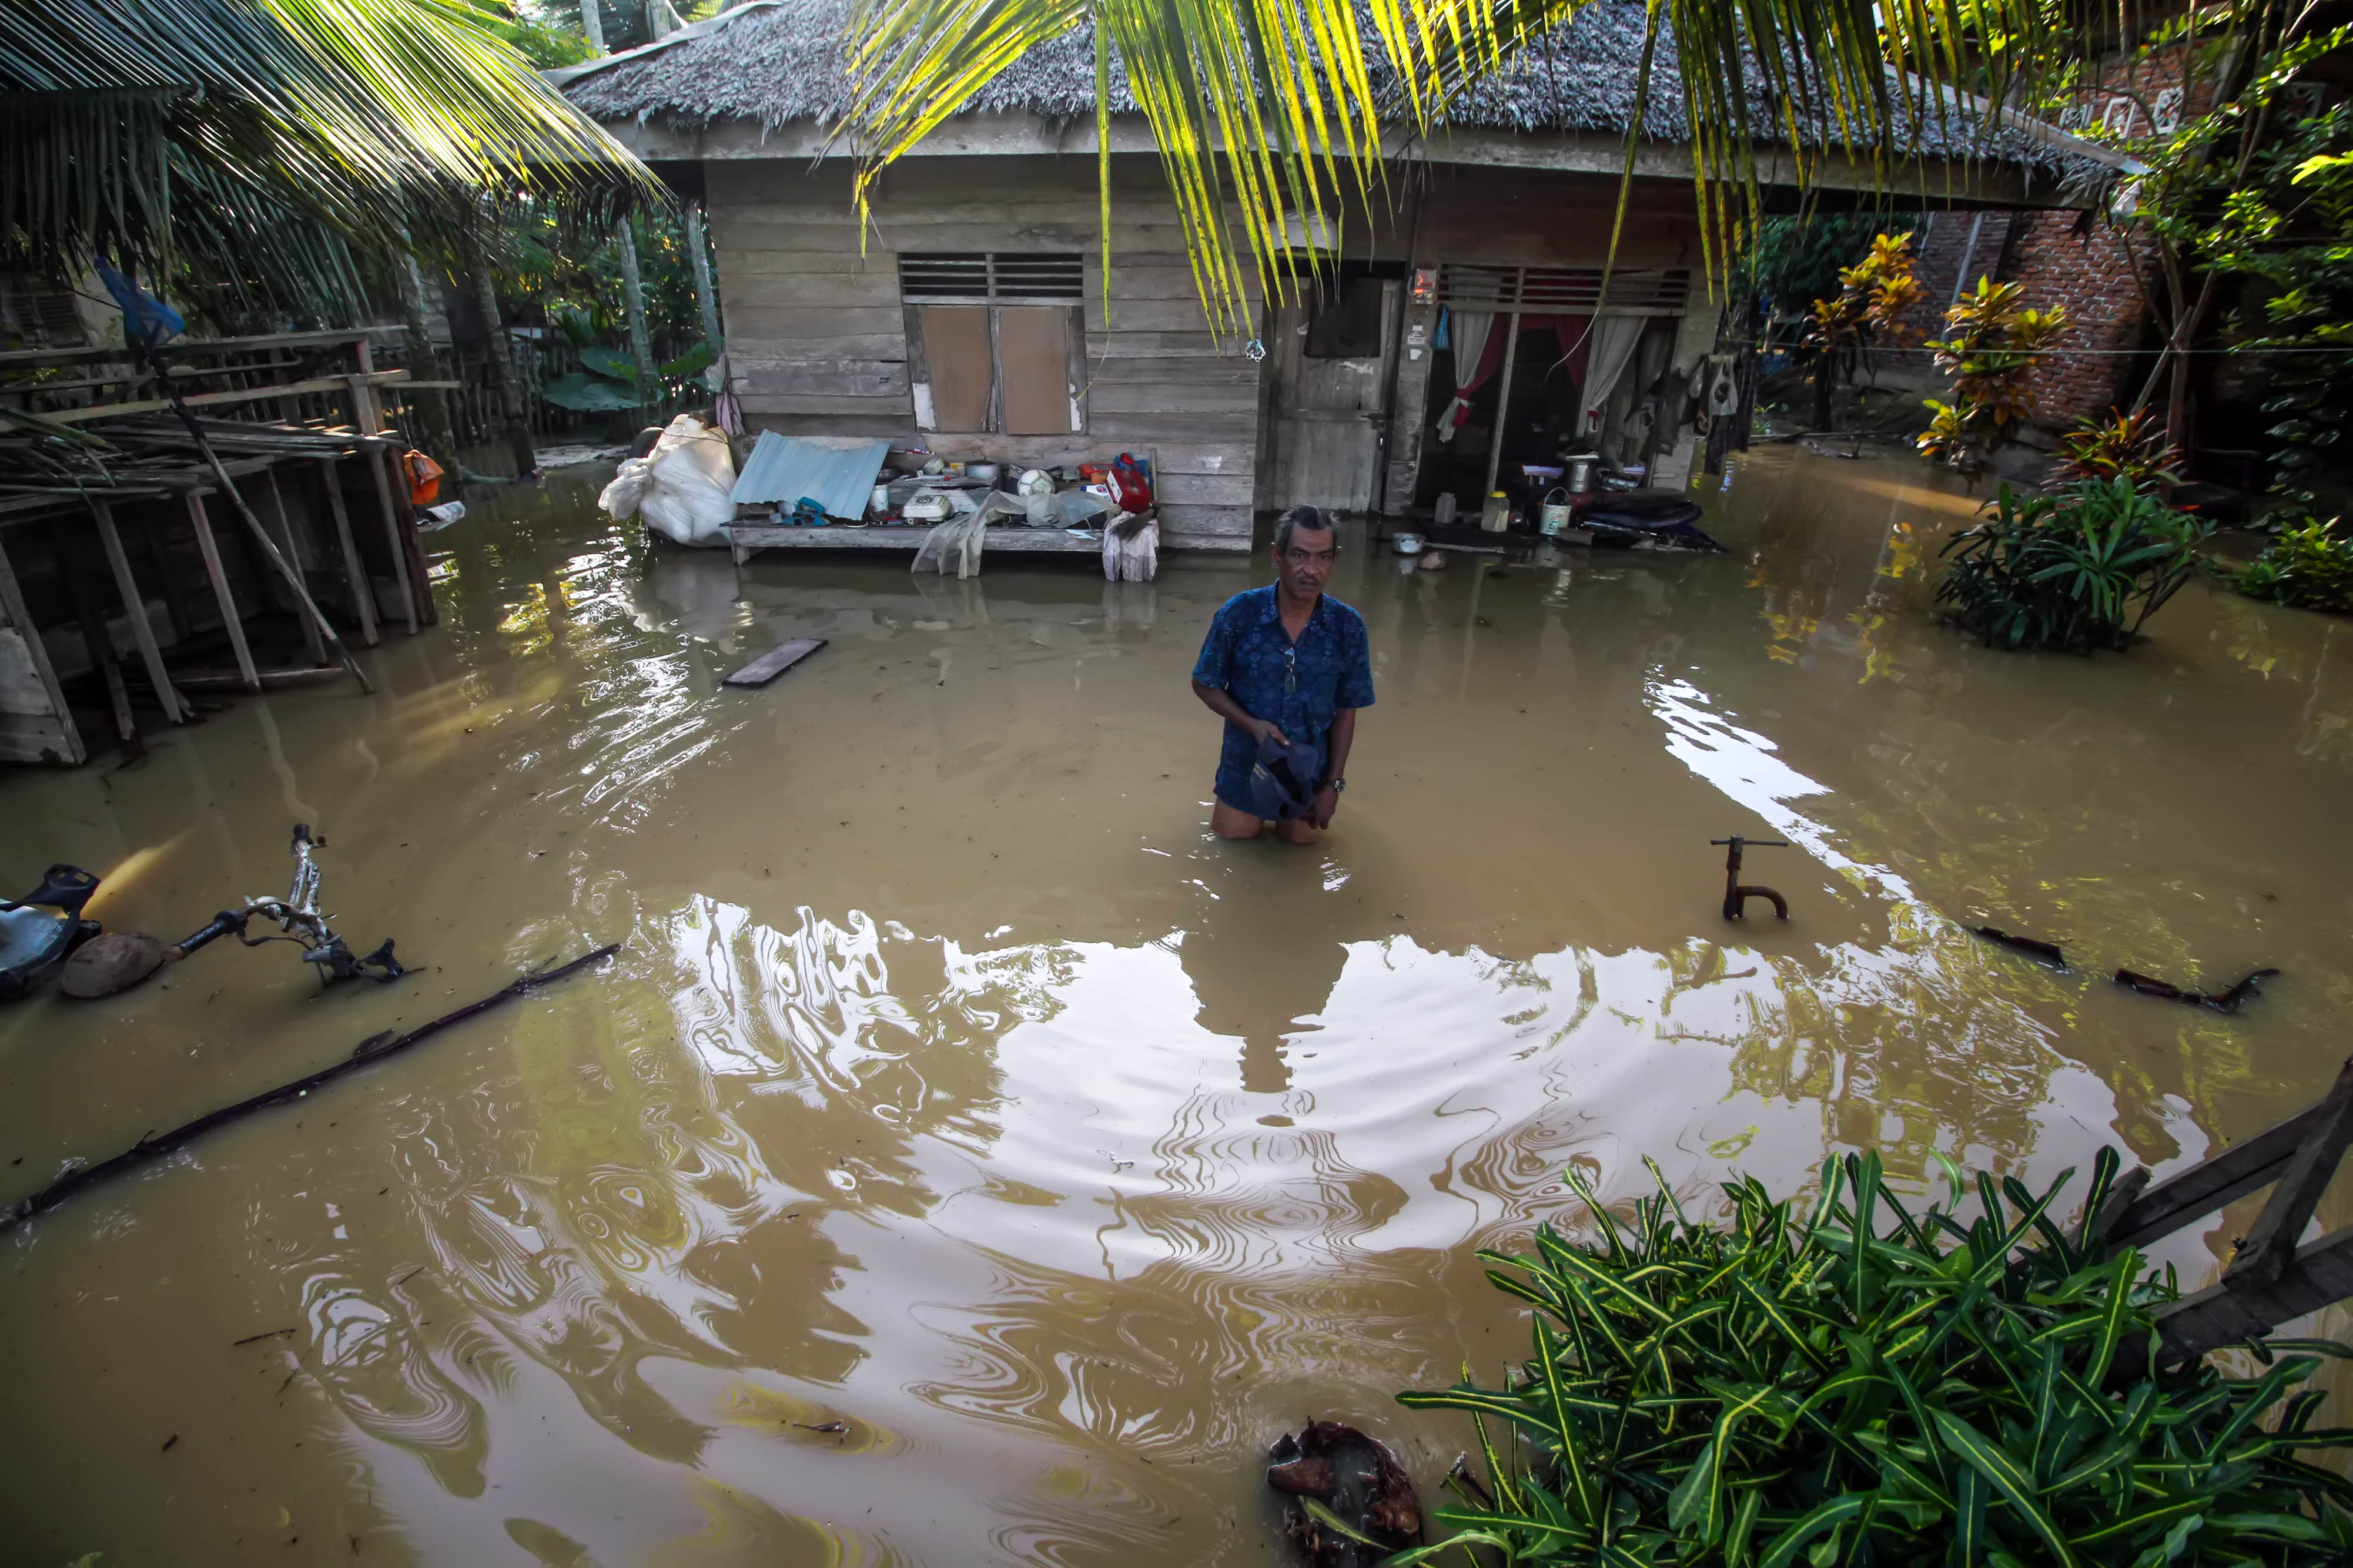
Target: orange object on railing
(424, 477)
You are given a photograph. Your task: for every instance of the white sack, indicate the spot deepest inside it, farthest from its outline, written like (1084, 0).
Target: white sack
(692, 470)
(1133, 555)
(630, 482)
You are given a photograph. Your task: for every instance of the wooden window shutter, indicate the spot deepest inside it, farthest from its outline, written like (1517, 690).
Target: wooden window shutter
(1033, 349)
(957, 352)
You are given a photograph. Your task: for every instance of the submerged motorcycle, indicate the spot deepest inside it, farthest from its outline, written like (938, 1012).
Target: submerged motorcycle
(44, 930)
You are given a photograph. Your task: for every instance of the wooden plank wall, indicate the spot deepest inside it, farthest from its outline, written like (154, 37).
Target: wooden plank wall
(818, 339)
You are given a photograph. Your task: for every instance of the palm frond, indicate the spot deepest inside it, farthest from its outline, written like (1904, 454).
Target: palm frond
(1264, 111)
(364, 119)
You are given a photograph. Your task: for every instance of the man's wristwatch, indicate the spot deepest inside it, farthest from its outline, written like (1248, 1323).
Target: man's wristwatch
(1336, 786)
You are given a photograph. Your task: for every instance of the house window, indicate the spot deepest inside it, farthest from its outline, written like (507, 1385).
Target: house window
(996, 341)
(39, 315)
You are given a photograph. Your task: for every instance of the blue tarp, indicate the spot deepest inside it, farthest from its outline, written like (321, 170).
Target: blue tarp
(838, 471)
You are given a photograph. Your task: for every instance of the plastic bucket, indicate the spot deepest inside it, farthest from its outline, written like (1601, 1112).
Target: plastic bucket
(1557, 513)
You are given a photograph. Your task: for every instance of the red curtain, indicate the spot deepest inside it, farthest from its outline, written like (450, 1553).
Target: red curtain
(1574, 334)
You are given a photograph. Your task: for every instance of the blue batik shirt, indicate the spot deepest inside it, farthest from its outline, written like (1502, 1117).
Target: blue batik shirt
(1301, 686)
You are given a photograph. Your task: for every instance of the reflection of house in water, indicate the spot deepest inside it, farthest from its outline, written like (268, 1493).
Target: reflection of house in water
(973, 315)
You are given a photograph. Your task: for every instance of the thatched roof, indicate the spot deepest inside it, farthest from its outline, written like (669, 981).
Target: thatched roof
(780, 62)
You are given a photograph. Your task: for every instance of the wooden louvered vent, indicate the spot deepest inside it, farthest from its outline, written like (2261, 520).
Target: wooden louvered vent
(992, 277)
(1564, 290)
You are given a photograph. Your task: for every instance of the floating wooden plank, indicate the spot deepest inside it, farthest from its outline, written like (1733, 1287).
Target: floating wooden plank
(776, 661)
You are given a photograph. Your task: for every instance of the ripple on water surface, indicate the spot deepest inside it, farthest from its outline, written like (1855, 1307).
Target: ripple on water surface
(968, 1159)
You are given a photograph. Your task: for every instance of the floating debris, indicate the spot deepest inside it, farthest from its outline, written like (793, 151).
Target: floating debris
(2223, 1001)
(2047, 951)
(1351, 1506)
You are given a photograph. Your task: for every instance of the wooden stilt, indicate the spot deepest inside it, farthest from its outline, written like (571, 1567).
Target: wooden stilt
(135, 602)
(229, 619)
(368, 421)
(97, 641)
(313, 643)
(354, 570)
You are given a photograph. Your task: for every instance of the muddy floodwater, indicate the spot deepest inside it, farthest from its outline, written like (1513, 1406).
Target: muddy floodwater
(968, 1160)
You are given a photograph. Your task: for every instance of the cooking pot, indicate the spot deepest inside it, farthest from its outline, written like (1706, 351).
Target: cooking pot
(1407, 543)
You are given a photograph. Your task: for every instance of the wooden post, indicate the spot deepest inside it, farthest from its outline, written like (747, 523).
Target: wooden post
(424, 364)
(50, 737)
(698, 255)
(503, 368)
(312, 643)
(641, 350)
(354, 570)
(1503, 407)
(372, 452)
(229, 621)
(96, 640)
(174, 709)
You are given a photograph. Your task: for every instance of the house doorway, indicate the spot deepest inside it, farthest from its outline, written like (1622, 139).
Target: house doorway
(1326, 381)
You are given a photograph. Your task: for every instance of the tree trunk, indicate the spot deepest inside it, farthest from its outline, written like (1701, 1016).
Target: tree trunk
(424, 364)
(641, 350)
(503, 367)
(592, 22)
(699, 254)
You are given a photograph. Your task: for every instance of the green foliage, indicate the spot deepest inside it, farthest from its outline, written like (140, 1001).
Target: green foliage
(2077, 569)
(611, 381)
(2251, 201)
(1267, 116)
(2121, 447)
(367, 119)
(2309, 565)
(1862, 1389)
(1988, 348)
(2289, 227)
(1792, 260)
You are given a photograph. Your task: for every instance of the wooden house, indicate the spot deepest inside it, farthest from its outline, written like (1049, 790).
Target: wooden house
(1455, 332)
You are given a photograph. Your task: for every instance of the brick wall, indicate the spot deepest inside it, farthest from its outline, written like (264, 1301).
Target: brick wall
(2087, 263)
(1954, 250)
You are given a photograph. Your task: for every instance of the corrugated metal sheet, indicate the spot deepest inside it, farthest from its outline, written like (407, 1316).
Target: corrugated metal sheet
(838, 471)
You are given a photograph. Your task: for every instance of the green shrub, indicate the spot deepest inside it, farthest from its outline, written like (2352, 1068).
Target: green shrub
(2309, 566)
(2078, 568)
(1863, 1389)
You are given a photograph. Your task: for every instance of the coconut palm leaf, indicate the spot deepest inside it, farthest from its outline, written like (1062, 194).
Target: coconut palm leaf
(1267, 111)
(368, 118)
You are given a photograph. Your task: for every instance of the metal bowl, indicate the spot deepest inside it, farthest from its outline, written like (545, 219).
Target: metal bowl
(1407, 544)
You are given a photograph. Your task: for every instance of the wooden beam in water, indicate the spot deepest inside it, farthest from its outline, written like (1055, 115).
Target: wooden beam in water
(313, 643)
(230, 622)
(2245, 1167)
(2271, 1245)
(776, 661)
(152, 656)
(2222, 1315)
(355, 570)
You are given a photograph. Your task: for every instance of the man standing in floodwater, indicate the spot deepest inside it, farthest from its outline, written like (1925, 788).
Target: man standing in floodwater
(1285, 665)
